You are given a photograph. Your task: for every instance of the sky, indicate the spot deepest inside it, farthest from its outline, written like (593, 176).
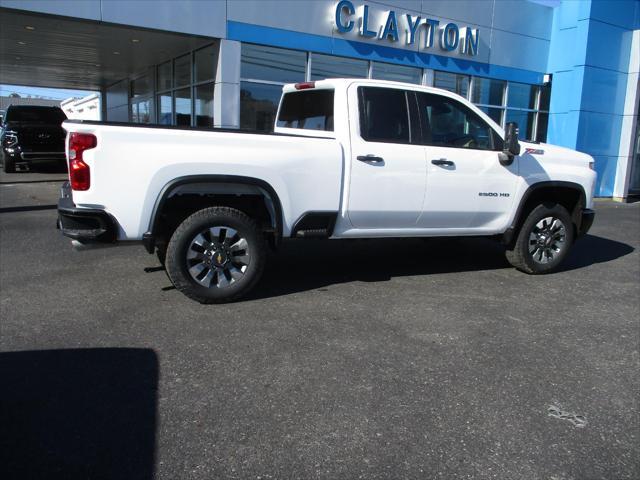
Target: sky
(48, 93)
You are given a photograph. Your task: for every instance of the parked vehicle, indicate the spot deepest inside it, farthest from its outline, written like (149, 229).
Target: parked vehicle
(32, 135)
(348, 159)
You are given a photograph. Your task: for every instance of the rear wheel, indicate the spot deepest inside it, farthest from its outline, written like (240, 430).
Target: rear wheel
(216, 255)
(543, 241)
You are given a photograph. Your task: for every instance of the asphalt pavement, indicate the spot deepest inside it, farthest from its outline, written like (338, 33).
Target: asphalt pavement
(352, 359)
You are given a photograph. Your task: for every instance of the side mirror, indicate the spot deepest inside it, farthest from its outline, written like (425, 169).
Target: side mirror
(511, 146)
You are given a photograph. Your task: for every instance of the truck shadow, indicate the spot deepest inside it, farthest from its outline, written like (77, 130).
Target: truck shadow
(78, 413)
(309, 265)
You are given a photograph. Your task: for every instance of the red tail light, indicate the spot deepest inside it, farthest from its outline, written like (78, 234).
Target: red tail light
(79, 173)
(305, 85)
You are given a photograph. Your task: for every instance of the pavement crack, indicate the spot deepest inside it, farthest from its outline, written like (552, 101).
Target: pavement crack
(578, 421)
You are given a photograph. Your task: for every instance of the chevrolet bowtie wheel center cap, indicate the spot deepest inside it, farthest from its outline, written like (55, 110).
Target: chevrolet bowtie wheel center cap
(547, 240)
(218, 257)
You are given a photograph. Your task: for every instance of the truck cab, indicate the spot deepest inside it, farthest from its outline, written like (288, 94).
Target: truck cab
(424, 161)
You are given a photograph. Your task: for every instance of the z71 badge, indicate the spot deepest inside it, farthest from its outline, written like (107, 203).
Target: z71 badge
(534, 151)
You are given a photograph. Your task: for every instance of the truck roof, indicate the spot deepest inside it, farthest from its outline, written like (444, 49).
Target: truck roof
(344, 82)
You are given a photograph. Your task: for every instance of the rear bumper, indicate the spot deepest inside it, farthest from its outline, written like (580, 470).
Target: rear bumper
(37, 157)
(586, 220)
(17, 155)
(86, 225)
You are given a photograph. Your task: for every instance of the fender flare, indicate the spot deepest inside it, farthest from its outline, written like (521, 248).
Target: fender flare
(148, 238)
(509, 234)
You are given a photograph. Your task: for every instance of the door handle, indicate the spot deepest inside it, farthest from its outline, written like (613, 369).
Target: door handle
(443, 161)
(370, 158)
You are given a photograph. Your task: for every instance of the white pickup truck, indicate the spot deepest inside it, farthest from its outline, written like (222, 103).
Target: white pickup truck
(348, 159)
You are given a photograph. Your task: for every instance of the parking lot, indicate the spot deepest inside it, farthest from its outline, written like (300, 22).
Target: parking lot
(352, 359)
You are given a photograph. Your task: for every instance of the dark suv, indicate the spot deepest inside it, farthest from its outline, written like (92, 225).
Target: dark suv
(32, 134)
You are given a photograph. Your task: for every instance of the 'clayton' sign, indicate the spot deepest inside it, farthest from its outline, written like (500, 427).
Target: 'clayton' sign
(448, 37)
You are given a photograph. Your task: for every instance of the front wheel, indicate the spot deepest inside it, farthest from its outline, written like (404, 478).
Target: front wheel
(544, 240)
(216, 255)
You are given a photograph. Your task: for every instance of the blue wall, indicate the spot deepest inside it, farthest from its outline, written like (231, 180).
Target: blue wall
(589, 60)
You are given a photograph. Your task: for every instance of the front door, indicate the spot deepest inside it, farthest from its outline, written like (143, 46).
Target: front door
(388, 169)
(467, 187)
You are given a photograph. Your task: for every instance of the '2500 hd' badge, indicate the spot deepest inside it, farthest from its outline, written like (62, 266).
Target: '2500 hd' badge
(493, 194)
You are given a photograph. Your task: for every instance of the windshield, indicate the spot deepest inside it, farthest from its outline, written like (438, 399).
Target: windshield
(45, 115)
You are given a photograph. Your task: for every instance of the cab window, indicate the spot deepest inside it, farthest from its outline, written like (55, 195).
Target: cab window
(384, 115)
(307, 109)
(448, 123)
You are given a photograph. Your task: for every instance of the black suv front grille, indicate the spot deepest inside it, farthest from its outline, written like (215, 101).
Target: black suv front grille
(42, 138)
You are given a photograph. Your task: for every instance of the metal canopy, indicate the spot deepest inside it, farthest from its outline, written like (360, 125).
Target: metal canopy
(58, 52)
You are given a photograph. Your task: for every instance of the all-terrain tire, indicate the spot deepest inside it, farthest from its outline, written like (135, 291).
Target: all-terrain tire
(527, 253)
(237, 279)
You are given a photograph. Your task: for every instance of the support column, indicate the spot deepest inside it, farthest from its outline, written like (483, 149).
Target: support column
(588, 57)
(103, 104)
(226, 96)
(626, 156)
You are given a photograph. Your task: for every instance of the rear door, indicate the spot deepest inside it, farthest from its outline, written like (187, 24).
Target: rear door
(388, 170)
(467, 187)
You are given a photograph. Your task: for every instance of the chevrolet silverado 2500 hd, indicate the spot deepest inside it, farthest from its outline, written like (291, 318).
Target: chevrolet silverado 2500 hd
(348, 159)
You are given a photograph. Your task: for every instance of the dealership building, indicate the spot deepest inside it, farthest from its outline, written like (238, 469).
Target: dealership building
(565, 70)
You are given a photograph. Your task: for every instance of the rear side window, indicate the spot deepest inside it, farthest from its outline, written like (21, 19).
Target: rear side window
(307, 109)
(384, 115)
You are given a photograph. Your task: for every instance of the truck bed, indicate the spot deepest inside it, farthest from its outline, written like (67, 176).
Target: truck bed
(132, 164)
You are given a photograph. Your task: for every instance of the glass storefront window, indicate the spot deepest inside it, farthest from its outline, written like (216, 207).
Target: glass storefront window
(258, 105)
(184, 88)
(183, 106)
(118, 114)
(545, 97)
(272, 64)
(543, 121)
(140, 94)
(204, 105)
(141, 111)
(398, 73)
(494, 113)
(118, 94)
(487, 91)
(524, 120)
(165, 109)
(205, 61)
(164, 76)
(328, 66)
(182, 71)
(453, 82)
(521, 95)
(141, 87)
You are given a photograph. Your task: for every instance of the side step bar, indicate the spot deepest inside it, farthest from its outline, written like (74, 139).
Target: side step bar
(313, 233)
(315, 225)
